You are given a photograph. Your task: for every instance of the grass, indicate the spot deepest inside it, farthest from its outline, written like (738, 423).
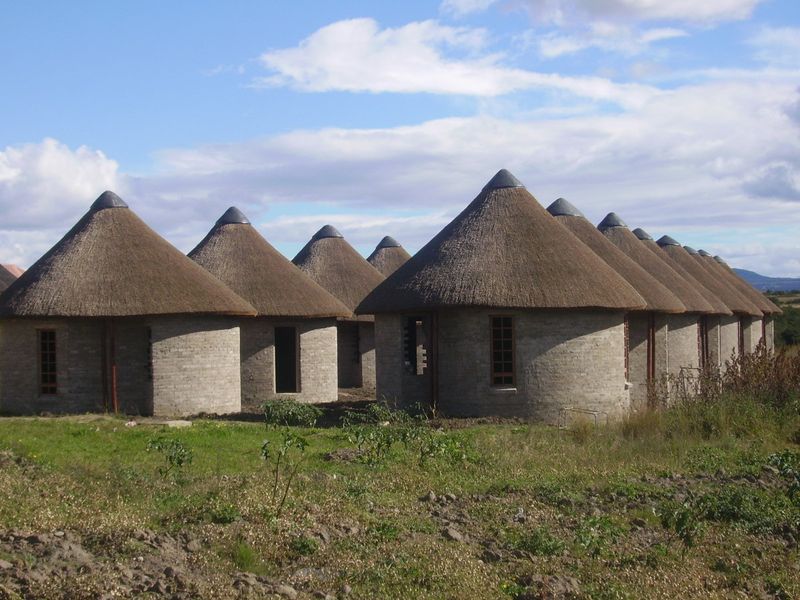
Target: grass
(586, 503)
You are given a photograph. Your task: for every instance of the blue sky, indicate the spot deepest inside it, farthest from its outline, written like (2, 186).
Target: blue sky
(387, 118)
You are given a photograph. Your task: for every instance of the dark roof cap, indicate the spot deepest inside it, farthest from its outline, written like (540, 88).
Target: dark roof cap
(612, 219)
(389, 242)
(665, 240)
(562, 207)
(702, 252)
(503, 179)
(719, 259)
(329, 231)
(642, 234)
(233, 216)
(108, 200)
(690, 250)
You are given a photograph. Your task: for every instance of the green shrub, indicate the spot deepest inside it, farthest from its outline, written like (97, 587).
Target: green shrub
(176, 455)
(304, 545)
(285, 412)
(538, 541)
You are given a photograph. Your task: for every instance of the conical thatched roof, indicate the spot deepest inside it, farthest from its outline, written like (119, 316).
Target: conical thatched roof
(335, 265)
(718, 307)
(388, 256)
(234, 252)
(657, 296)
(504, 250)
(110, 264)
(732, 299)
(745, 289)
(623, 239)
(13, 269)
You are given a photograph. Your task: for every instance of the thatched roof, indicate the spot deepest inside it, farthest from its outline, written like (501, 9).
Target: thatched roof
(6, 278)
(654, 264)
(388, 256)
(13, 269)
(656, 295)
(335, 265)
(504, 250)
(234, 252)
(748, 291)
(718, 307)
(732, 299)
(110, 264)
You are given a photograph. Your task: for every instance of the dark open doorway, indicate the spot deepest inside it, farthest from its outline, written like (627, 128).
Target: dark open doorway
(286, 360)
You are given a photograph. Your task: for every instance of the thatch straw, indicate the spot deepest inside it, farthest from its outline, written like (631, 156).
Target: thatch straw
(335, 265)
(623, 239)
(504, 250)
(388, 256)
(657, 296)
(234, 252)
(732, 299)
(718, 307)
(111, 264)
(748, 291)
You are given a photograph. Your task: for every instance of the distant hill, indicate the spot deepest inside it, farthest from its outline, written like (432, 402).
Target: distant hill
(772, 284)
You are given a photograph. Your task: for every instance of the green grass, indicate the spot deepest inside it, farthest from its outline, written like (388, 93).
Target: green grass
(590, 502)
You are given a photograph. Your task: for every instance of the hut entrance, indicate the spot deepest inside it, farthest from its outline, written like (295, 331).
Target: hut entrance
(286, 360)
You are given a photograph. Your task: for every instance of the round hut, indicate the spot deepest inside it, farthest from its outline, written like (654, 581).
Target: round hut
(505, 312)
(388, 256)
(336, 266)
(290, 347)
(645, 330)
(680, 330)
(115, 318)
(730, 338)
(705, 334)
(759, 328)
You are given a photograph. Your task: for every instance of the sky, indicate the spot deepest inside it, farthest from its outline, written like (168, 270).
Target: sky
(387, 118)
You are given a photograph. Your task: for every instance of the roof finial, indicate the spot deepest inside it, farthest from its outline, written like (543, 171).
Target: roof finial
(328, 231)
(666, 240)
(233, 216)
(562, 207)
(642, 234)
(612, 219)
(108, 199)
(503, 179)
(389, 242)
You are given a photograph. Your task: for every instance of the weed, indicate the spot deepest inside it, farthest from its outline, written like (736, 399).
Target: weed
(244, 557)
(285, 412)
(595, 534)
(684, 521)
(176, 455)
(287, 456)
(304, 545)
(538, 541)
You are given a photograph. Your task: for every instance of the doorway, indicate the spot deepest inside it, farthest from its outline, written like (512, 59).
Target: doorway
(286, 361)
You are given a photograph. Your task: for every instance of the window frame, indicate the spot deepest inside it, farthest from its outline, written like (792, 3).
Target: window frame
(46, 388)
(492, 373)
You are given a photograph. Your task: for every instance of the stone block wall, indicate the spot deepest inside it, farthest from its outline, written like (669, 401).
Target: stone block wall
(79, 356)
(729, 338)
(195, 365)
(395, 383)
(683, 347)
(317, 364)
(366, 349)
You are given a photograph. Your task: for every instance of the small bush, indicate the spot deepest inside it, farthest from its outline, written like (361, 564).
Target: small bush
(538, 541)
(285, 412)
(304, 545)
(244, 557)
(176, 455)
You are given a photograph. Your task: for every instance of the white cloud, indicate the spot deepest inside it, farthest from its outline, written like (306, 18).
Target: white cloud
(777, 46)
(604, 36)
(460, 8)
(559, 12)
(357, 56)
(710, 163)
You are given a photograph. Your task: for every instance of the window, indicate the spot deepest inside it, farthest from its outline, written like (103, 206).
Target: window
(651, 347)
(626, 326)
(740, 331)
(502, 351)
(415, 352)
(702, 341)
(47, 362)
